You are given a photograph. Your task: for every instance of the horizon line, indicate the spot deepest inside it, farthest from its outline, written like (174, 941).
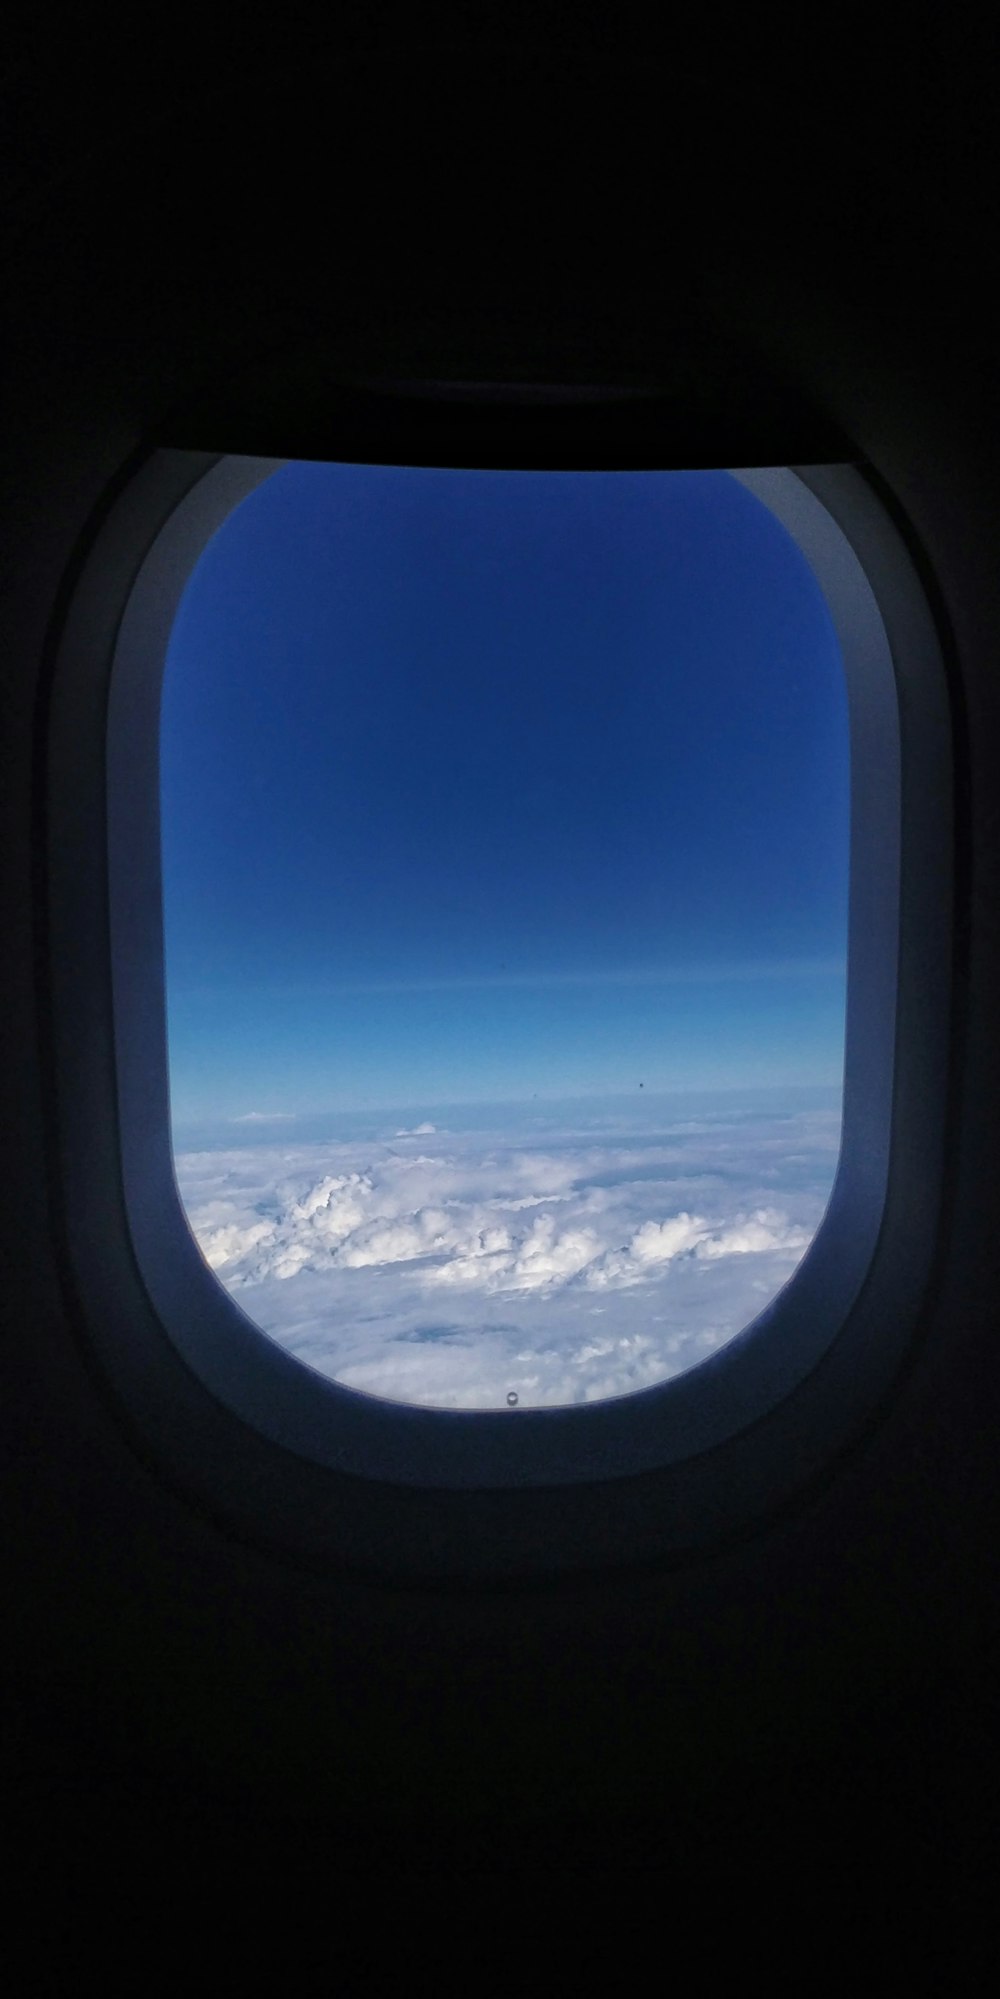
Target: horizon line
(725, 973)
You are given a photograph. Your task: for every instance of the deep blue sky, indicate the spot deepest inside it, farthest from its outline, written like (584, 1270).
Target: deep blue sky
(483, 784)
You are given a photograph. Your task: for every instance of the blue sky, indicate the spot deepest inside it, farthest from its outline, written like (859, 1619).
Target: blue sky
(500, 786)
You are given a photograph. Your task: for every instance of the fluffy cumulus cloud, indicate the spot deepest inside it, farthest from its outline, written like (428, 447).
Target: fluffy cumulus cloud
(563, 1263)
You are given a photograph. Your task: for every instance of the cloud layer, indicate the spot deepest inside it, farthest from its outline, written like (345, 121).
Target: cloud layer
(564, 1264)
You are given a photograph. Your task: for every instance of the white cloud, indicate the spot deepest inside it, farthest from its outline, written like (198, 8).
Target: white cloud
(265, 1117)
(587, 1264)
(750, 1234)
(230, 1243)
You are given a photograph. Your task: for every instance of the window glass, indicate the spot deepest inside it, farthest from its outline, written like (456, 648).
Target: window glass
(505, 830)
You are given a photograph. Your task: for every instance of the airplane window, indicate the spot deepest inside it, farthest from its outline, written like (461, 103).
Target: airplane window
(505, 824)
(493, 1057)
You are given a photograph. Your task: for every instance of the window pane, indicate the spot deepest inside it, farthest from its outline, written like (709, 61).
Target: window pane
(505, 860)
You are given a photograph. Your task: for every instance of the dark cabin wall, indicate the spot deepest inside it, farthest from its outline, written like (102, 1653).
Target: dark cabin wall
(821, 1696)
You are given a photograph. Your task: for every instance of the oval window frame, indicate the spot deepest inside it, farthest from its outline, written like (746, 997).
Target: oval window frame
(718, 1443)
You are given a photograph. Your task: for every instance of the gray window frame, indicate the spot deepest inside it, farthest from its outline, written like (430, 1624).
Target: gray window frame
(323, 1469)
